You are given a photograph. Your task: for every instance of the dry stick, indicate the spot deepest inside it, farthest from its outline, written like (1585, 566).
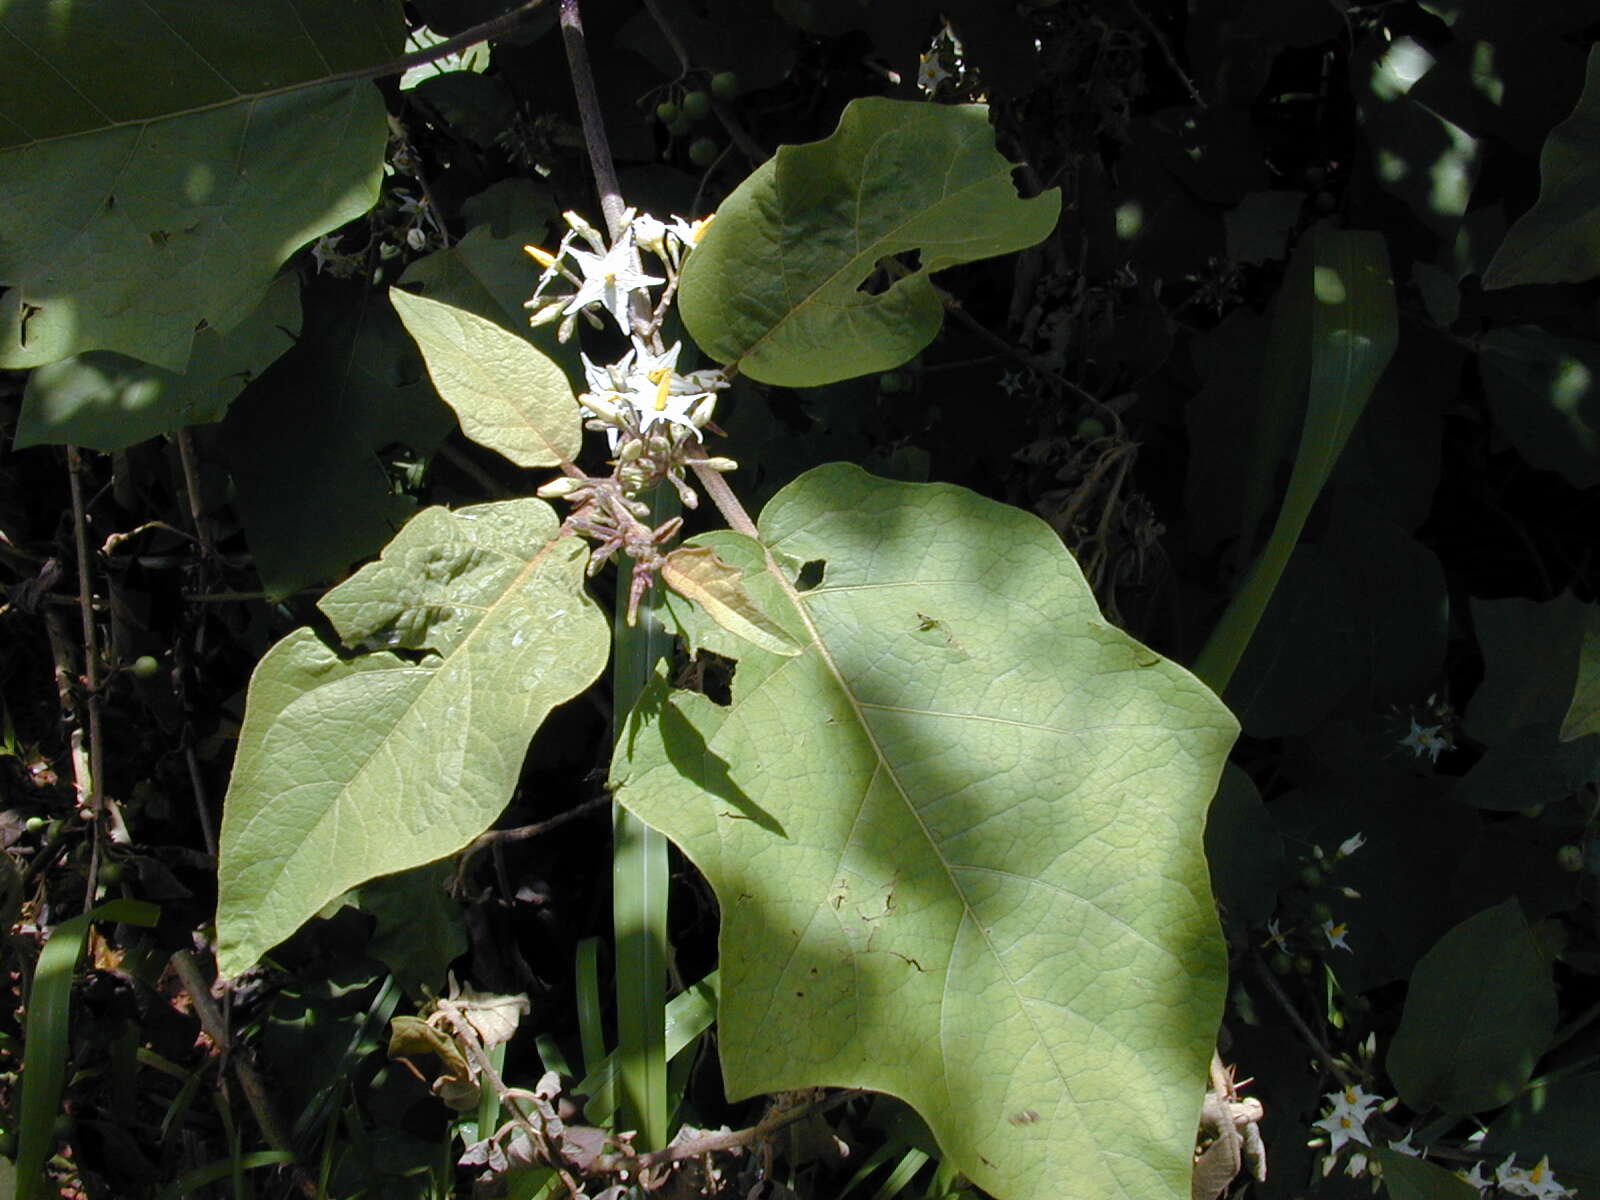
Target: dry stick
(255, 1092)
(1304, 1030)
(1166, 52)
(201, 810)
(522, 832)
(191, 484)
(89, 796)
(708, 1143)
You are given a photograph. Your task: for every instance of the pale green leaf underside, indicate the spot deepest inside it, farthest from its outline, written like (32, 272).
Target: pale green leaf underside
(956, 842)
(350, 768)
(155, 173)
(774, 284)
(507, 395)
(1558, 239)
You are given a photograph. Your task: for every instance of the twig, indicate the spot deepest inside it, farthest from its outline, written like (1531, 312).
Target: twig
(255, 1092)
(594, 129)
(523, 832)
(1305, 1031)
(191, 484)
(1166, 52)
(708, 1143)
(89, 796)
(201, 809)
(674, 42)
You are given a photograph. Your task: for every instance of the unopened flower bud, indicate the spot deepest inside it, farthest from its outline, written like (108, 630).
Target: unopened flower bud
(630, 451)
(639, 509)
(718, 464)
(700, 414)
(659, 446)
(603, 409)
(548, 310)
(543, 257)
(564, 331)
(557, 488)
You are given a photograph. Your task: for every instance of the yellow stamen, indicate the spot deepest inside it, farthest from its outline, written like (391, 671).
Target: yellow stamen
(662, 378)
(543, 257)
(700, 228)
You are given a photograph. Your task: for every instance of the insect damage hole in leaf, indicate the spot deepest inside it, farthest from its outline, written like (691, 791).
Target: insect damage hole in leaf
(810, 576)
(889, 270)
(706, 672)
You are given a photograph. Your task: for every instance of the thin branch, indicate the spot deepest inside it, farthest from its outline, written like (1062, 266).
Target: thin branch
(708, 1143)
(1166, 52)
(523, 832)
(1305, 1031)
(191, 485)
(594, 129)
(727, 503)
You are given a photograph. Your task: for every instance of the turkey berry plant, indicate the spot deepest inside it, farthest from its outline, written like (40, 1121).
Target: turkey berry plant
(923, 842)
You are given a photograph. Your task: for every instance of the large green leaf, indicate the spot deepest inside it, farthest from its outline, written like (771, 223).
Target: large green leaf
(159, 160)
(1558, 239)
(1544, 391)
(956, 842)
(354, 767)
(1479, 1015)
(507, 395)
(775, 286)
(108, 401)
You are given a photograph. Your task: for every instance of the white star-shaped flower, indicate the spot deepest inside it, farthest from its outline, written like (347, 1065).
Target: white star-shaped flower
(1425, 739)
(609, 279)
(1404, 1146)
(1011, 383)
(658, 393)
(931, 73)
(1335, 935)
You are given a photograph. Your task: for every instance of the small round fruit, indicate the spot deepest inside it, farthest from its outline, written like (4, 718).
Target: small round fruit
(1310, 876)
(1090, 428)
(1322, 911)
(1568, 858)
(1304, 964)
(111, 873)
(666, 112)
(146, 666)
(679, 125)
(697, 106)
(1282, 964)
(34, 824)
(703, 151)
(725, 85)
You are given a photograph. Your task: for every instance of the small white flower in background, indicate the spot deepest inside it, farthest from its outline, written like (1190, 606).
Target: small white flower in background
(1275, 935)
(1404, 1146)
(1540, 1182)
(689, 233)
(1351, 844)
(651, 234)
(1425, 740)
(1357, 1166)
(1346, 1119)
(1335, 935)
(931, 73)
(1011, 383)
(1475, 1177)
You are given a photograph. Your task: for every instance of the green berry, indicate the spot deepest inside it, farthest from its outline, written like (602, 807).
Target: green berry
(146, 666)
(1310, 876)
(666, 112)
(111, 873)
(1090, 428)
(1322, 911)
(703, 151)
(34, 824)
(679, 126)
(1568, 858)
(1282, 964)
(697, 106)
(725, 85)
(1305, 964)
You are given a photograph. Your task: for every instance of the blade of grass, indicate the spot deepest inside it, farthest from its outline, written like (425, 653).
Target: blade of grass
(1339, 299)
(45, 1044)
(689, 1014)
(902, 1175)
(223, 1168)
(591, 1030)
(639, 880)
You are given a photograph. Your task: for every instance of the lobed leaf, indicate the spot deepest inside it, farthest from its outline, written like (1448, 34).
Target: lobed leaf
(956, 841)
(160, 160)
(775, 285)
(354, 767)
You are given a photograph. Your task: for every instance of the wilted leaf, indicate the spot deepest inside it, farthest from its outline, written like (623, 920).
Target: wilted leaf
(696, 573)
(507, 395)
(956, 842)
(1478, 1016)
(1558, 239)
(350, 768)
(158, 163)
(776, 284)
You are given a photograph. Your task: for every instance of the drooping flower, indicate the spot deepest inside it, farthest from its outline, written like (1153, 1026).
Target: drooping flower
(1539, 1182)
(1336, 935)
(1351, 844)
(1405, 1146)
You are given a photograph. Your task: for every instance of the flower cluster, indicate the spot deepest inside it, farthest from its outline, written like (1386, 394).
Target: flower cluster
(1349, 1109)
